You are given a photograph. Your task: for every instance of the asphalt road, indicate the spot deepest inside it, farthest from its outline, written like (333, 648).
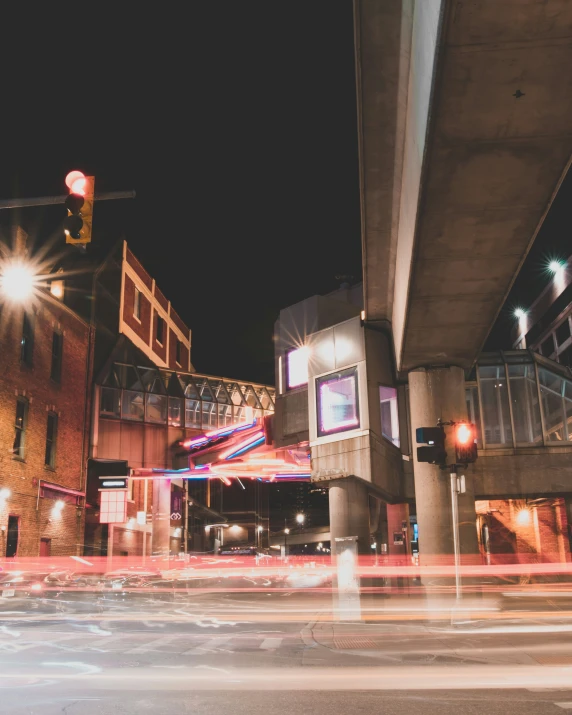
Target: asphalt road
(266, 653)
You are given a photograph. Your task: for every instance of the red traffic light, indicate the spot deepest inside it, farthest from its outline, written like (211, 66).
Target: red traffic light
(76, 182)
(464, 434)
(465, 443)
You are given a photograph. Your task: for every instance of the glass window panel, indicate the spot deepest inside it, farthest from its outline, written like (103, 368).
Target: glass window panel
(547, 347)
(337, 396)
(20, 428)
(205, 391)
(297, 367)
(563, 332)
(389, 414)
(51, 435)
(473, 409)
(224, 415)
(494, 406)
(132, 405)
(156, 408)
(235, 394)
(128, 377)
(552, 405)
(193, 414)
(568, 414)
(565, 357)
(191, 391)
(209, 416)
(110, 401)
(57, 353)
(175, 409)
(525, 407)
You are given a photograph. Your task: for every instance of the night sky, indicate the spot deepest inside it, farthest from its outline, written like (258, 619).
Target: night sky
(235, 123)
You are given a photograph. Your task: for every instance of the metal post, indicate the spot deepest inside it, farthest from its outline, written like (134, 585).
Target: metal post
(455, 517)
(185, 517)
(51, 200)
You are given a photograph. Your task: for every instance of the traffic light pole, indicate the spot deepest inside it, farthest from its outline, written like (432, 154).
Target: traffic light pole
(51, 200)
(455, 518)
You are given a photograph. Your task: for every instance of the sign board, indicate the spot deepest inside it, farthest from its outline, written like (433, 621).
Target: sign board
(113, 483)
(397, 538)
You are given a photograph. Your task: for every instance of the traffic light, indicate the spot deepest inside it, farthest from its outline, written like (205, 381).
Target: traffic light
(465, 443)
(79, 203)
(435, 452)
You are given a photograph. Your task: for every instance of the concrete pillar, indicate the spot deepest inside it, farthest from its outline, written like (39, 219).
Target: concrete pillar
(349, 512)
(161, 517)
(440, 393)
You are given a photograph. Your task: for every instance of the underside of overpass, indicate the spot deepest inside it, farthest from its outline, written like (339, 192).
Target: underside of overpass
(464, 129)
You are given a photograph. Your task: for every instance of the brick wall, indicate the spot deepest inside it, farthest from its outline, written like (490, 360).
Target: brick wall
(67, 399)
(138, 268)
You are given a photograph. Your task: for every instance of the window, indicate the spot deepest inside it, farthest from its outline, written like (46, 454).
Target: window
(137, 304)
(297, 367)
(51, 435)
(337, 396)
(27, 345)
(20, 427)
(113, 506)
(563, 332)
(12, 536)
(389, 415)
(160, 330)
(57, 289)
(179, 352)
(495, 411)
(57, 352)
(547, 347)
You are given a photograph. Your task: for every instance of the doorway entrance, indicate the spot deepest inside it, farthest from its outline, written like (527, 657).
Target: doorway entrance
(12, 536)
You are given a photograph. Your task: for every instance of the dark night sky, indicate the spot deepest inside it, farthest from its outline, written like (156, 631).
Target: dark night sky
(235, 123)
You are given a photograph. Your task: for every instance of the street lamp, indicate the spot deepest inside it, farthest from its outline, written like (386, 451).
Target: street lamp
(17, 281)
(300, 518)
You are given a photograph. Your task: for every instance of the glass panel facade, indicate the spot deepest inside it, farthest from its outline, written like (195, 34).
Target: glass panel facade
(132, 405)
(193, 414)
(156, 395)
(551, 391)
(156, 408)
(495, 406)
(110, 401)
(473, 410)
(525, 406)
(175, 409)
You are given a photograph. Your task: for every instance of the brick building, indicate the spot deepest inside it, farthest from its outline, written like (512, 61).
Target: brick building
(45, 383)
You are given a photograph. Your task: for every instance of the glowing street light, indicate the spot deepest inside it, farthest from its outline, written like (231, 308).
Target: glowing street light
(286, 530)
(555, 267)
(17, 281)
(519, 313)
(300, 518)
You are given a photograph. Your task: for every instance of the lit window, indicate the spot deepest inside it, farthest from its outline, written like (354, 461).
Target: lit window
(338, 408)
(51, 435)
(113, 508)
(160, 330)
(297, 367)
(389, 415)
(20, 427)
(137, 304)
(57, 289)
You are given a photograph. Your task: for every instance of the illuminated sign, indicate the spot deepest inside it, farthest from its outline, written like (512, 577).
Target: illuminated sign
(297, 367)
(113, 482)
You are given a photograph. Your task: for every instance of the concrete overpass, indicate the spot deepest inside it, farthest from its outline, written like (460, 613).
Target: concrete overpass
(464, 138)
(464, 133)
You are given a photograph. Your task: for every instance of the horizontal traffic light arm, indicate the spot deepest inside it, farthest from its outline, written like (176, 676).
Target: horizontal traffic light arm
(51, 200)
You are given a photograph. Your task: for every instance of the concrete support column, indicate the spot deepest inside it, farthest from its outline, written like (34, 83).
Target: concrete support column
(349, 511)
(160, 542)
(440, 393)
